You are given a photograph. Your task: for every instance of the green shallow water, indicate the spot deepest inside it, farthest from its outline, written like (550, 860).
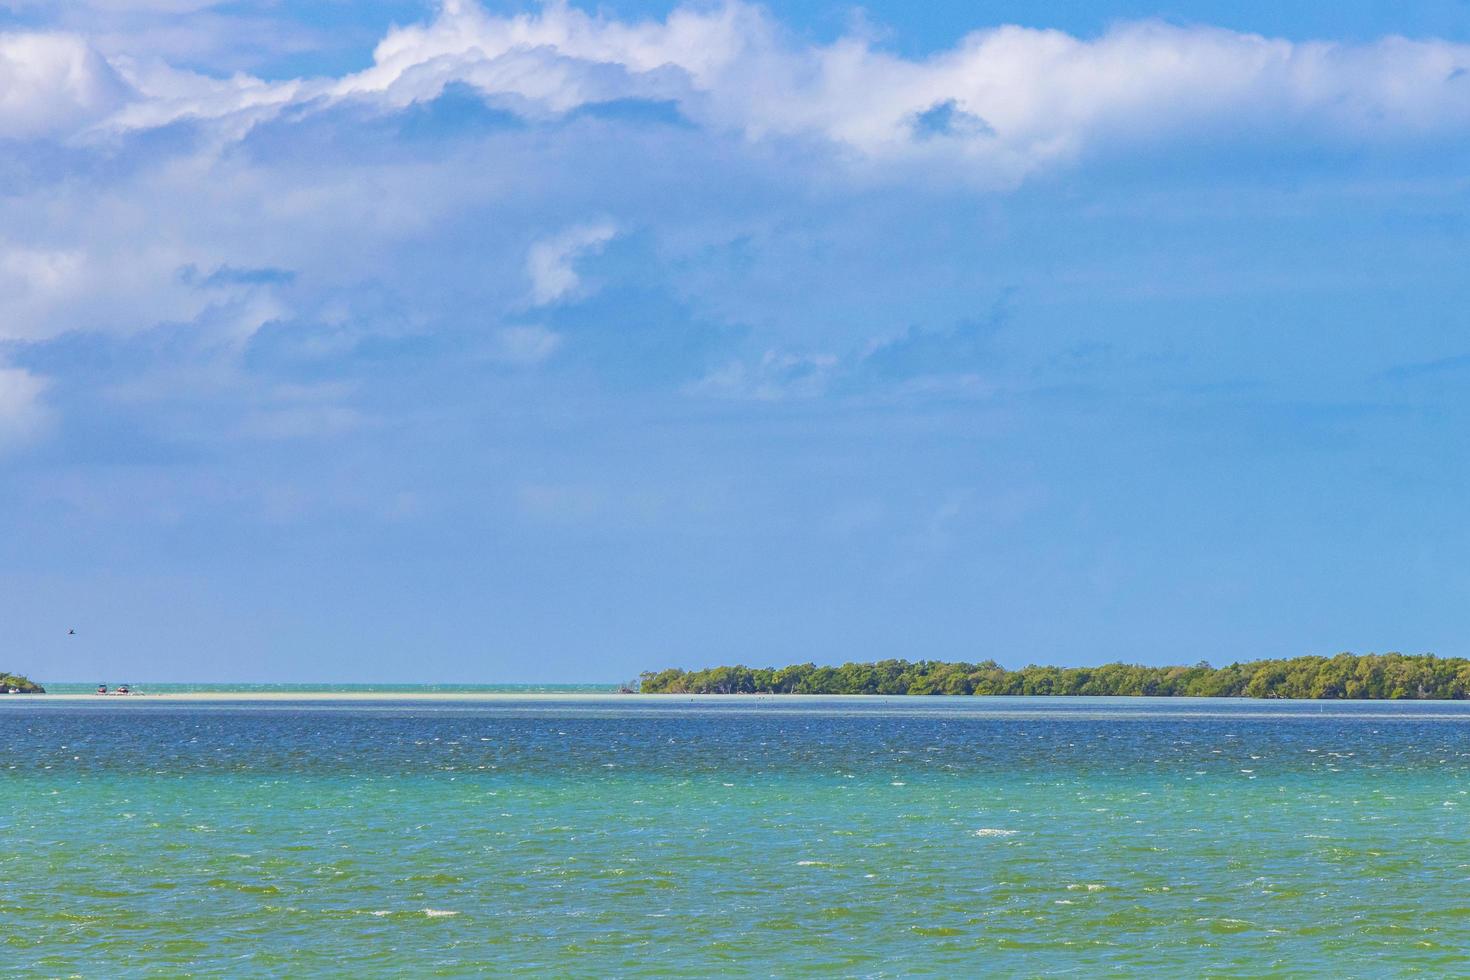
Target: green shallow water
(867, 837)
(174, 687)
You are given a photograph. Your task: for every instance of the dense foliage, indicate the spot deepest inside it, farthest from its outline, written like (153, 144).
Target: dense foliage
(1391, 675)
(22, 684)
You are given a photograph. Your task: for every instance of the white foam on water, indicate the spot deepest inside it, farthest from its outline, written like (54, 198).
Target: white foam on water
(995, 832)
(438, 913)
(811, 864)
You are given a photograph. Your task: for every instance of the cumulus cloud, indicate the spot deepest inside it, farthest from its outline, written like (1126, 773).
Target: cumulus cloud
(148, 199)
(53, 84)
(551, 263)
(1012, 99)
(1022, 97)
(1007, 101)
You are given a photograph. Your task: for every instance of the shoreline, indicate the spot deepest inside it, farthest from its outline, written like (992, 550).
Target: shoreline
(402, 696)
(589, 696)
(310, 695)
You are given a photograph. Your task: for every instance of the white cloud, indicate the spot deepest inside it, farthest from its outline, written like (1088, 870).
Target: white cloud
(236, 102)
(35, 282)
(1024, 99)
(1040, 94)
(112, 279)
(53, 83)
(524, 346)
(777, 376)
(23, 415)
(39, 272)
(128, 6)
(551, 262)
(94, 237)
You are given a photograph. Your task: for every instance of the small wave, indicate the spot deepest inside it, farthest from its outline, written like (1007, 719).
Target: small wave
(811, 864)
(995, 832)
(438, 913)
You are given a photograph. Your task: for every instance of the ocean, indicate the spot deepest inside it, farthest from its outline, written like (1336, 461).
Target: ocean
(778, 836)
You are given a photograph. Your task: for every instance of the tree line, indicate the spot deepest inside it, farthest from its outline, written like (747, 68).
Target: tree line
(1347, 675)
(25, 685)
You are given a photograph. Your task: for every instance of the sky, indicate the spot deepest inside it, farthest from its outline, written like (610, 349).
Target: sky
(517, 342)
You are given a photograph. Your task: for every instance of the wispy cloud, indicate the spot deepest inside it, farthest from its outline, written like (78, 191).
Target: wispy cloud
(524, 345)
(551, 263)
(775, 376)
(23, 414)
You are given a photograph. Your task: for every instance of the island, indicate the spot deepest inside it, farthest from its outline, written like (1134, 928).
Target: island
(1345, 676)
(16, 684)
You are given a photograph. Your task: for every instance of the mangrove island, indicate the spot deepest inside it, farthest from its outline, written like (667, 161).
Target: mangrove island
(1345, 676)
(16, 684)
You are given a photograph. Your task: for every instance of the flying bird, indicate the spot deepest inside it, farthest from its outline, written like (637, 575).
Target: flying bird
(71, 632)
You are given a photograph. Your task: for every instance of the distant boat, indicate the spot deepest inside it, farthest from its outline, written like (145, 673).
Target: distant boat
(101, 688)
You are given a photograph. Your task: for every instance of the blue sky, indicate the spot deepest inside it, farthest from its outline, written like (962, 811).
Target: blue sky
(509, 342)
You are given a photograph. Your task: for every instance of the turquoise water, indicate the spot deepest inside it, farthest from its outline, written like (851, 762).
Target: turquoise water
(679, 837)
(77, 687)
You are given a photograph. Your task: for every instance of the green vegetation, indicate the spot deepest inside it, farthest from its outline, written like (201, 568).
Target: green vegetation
(22, 684)
(1370, 676)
